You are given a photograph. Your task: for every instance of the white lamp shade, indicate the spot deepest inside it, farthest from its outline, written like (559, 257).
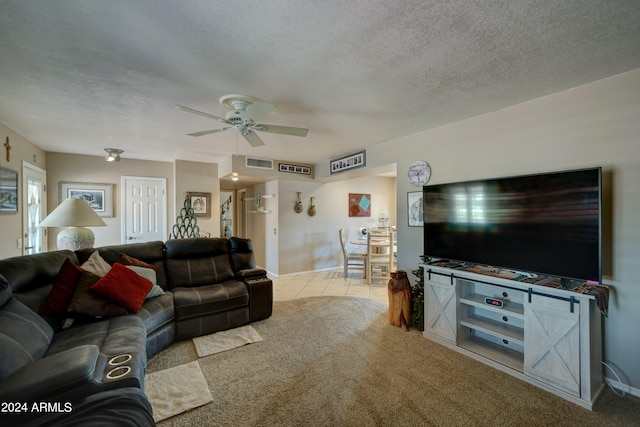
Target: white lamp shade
(73, 213)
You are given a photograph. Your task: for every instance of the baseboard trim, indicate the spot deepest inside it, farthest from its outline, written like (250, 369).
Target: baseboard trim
(622, 388)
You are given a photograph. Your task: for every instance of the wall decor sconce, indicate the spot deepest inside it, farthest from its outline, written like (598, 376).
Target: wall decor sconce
(113, 154)
(312, 208)
(297, 208)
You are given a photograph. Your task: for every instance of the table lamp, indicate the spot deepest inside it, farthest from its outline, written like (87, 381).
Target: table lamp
(75, 215)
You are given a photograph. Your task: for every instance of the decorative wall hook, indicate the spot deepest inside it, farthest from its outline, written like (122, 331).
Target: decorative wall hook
(297, 208)
(312, 208)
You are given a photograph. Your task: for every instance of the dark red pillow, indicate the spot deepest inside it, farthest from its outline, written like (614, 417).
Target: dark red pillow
(62, 291)
(88, 303)
(124, 287)
(125, 259)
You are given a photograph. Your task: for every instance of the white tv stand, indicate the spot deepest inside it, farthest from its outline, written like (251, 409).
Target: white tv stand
(551, 338)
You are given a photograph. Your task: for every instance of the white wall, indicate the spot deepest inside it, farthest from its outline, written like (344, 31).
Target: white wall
(21, 150)
(311, 243)
(94, 169)
(593, 125)
(198, 177)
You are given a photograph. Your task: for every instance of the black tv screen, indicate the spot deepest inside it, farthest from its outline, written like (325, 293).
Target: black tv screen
(547, 223)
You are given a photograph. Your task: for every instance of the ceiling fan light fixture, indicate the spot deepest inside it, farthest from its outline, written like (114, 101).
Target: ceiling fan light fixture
(113, 154)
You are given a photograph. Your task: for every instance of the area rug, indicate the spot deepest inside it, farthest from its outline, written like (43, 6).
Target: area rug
(176, 390)
(225, 340)
(336, 361)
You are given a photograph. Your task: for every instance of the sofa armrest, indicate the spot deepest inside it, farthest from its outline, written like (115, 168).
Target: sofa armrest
(260, 297)
(251, 273)
(51, 376)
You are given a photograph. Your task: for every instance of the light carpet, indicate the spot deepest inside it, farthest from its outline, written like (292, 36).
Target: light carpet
(176, 390)
(225, 340)
(336, 361)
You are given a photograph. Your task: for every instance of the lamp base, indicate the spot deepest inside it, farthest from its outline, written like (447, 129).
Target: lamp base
(74, 238)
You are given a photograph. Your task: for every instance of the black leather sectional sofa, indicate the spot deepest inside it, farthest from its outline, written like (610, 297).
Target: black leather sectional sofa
(72, 367)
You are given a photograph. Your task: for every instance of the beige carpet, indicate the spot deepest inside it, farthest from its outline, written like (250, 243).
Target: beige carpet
(225, 340)
(336, 361)
(176, 390)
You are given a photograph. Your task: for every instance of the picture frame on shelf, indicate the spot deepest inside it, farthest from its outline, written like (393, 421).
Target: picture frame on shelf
(98, 195)
(200, 203)
(8, 191)
(415, 214)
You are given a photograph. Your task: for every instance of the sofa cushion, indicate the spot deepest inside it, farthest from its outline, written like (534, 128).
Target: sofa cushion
(113, 336)
(18, 322)
(203, 300)
(63, 289)
(242, 255)
(197, 262)
(89, 303)
(124, 287)
(96, 264)
(157, 312)
(26, 273)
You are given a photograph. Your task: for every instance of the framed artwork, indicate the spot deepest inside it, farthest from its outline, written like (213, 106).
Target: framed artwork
(8, 191)
(99, 196)
(352, 161)
(359, 204)
(200, 203)
(415, 209)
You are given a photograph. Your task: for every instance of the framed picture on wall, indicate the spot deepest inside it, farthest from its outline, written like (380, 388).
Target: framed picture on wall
(359, 204)
(8, 191)
(200, 203)
(415, 209)
(99, 196)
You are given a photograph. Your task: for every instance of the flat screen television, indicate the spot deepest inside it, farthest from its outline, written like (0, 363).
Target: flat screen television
(546, 223)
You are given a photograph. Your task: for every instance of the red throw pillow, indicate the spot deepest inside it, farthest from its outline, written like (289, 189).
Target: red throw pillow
(62, 291)
(124, 287)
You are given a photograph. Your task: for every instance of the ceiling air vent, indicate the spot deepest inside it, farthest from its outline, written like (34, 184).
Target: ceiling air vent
(252, 162)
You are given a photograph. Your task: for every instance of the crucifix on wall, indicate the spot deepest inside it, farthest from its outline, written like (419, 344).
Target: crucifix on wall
(7, 147)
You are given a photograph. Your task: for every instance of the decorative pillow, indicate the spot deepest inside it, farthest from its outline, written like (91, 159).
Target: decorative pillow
(89, 303)
(124, 287)
(63, 289)
(150, 275)
(96, 264)
(125, 259)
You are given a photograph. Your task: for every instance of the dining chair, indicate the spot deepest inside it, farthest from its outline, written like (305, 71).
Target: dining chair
(352, 260)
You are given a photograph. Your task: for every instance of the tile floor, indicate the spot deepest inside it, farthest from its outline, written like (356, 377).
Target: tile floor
(330, 282)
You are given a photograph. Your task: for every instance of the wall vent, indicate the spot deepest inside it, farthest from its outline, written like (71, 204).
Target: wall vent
(252, 162)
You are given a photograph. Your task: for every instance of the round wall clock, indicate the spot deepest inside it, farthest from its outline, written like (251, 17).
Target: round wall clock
(419, 173)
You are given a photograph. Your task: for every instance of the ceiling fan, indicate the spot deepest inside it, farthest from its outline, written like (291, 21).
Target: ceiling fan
(243, 116)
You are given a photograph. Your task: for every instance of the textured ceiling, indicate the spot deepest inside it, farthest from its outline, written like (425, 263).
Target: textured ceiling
(79, 76)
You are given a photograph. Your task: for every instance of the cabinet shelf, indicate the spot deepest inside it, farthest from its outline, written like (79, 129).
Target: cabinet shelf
(494, 328)
(497, 353)
(510, 308)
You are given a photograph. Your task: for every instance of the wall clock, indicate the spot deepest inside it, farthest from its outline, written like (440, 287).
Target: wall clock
(419, 173)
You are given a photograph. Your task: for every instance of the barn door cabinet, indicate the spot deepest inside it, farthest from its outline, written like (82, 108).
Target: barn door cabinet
(551, 338)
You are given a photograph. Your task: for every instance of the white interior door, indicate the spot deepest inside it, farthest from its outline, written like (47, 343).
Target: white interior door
(144, 209)
(34, 209)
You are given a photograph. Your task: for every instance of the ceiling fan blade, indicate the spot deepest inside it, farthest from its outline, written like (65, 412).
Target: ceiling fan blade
(284, 130)
(207, 132)
(253, 138)
(258, 110)
(200, 113)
